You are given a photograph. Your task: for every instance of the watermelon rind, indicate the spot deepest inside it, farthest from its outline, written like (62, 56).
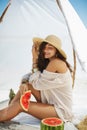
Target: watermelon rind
(48, 126)
(26, 100)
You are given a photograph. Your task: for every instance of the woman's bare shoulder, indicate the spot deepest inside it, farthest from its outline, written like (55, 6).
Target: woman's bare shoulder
(57, 65)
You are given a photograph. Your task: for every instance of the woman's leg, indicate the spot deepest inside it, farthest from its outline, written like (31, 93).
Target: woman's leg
(41, 110)
(34, 92)
(16, 98)
(10, 112)
(36, 109)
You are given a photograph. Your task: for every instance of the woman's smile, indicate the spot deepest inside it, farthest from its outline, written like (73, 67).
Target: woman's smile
(49, 51)
(47, 55)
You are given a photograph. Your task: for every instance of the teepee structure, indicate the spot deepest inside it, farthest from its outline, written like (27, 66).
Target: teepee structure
(24, 19)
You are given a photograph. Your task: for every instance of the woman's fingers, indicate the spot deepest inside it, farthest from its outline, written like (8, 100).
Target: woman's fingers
(23, 88)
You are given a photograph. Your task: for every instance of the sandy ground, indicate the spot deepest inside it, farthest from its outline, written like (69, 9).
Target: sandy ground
(16, 126)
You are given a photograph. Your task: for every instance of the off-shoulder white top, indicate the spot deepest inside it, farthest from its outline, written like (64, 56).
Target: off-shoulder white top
(56, 89)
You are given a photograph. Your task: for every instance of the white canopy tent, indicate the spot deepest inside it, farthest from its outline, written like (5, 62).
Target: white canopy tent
(25, 19)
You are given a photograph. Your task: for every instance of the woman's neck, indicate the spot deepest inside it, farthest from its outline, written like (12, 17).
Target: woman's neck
(52, 58)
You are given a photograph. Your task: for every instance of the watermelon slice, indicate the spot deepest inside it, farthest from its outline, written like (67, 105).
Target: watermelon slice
(24, 100)
(52, 123)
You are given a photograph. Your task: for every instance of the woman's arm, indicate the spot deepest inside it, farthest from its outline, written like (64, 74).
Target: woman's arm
(49, 79)
(34, 58)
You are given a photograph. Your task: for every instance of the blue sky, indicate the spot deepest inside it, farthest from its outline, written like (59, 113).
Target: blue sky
(81, 8)
(79, 5)
(3, 4)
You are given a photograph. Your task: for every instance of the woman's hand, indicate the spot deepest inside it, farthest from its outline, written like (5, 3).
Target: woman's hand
(23, 88)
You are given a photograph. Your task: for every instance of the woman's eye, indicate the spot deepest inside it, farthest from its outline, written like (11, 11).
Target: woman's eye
(50, 48)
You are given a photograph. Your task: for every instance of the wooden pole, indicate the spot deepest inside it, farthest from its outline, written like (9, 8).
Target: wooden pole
(74, 53)
(74, 70)
(2, 16)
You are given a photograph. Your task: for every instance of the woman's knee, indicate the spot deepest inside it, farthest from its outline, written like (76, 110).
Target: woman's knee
(16, 104)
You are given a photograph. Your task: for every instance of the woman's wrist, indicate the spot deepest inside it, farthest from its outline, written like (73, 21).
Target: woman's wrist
(34, 65)
(34, 70)
(34, 60)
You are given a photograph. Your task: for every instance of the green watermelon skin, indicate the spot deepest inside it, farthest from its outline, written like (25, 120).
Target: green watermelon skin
(44, 126)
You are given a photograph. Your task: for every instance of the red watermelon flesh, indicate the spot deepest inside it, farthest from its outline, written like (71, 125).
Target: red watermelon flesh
(24, 100)
(52, 123)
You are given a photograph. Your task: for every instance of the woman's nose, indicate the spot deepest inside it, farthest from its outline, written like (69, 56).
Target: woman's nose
(45, 50)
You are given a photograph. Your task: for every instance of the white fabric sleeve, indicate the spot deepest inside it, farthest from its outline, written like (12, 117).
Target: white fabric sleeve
(26, 77)
(47, 80)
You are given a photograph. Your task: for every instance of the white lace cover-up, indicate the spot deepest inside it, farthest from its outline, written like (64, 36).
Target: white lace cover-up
(56, 89)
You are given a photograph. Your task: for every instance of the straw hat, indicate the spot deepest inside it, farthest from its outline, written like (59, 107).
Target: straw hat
(51, 39)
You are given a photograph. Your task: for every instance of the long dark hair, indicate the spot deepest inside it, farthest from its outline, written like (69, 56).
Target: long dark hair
(42, 62)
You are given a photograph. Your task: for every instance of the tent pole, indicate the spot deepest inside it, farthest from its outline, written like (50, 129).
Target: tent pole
(1, 18)
(74, 53)
(74, 70)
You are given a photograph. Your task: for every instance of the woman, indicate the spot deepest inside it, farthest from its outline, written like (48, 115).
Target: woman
(50, 83)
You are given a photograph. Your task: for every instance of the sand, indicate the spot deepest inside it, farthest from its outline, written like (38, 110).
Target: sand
(16, 126)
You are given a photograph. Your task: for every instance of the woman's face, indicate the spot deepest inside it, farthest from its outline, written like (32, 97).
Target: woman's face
(49, 51)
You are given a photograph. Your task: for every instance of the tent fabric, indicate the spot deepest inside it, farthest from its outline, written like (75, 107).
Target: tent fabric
(26, 19)
(77, 31)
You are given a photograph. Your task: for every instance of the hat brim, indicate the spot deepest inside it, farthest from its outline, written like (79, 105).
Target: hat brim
(37, 41)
